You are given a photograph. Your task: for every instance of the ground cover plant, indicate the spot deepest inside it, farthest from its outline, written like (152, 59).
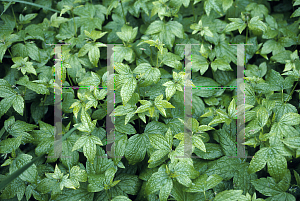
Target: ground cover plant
(149, 100)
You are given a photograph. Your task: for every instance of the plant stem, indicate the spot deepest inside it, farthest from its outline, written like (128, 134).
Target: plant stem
(15, 17)
(123, 12)
(70, 79)
(157, 61)
(75, 29)
(194, 13)
(247, 35)
(151, 55)
(10, 53)
(291, 92)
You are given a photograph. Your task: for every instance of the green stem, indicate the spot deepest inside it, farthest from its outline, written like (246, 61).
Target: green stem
(10, 53)
(247, 35)
(282, 95)
(157, 61)
(194, 13)
(291, 92)
(70, 79)
(151, 55)
(15, 17)
(75, 29)
(123, 12)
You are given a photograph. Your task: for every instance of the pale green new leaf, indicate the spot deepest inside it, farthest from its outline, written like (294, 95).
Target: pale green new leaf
(88, 142)
(262, 116)
(226, 4)
(232, 111)
(128, 89)
(236, 23)
(127, 33)
(94, 34)
(256, 24)
(198, 142)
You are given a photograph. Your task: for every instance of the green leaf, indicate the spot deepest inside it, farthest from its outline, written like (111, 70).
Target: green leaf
(165, 190)
(229, 195)
(16, 187)
(94, 34)
(262, 116)
(161, 104)
(147, 72)
(128, 89)
(158, 141)
(171, 60)
(296, 13)
(170, 90)
(129, 184)
(236, 23)
(30, 174)
(29, 49)
(21, 170)
(158, 154)
(297, 177)
(199, 64)
(86, 124)
(38, 88)
(156, 181)
(165, 32)
(266, 186)
(211, 4)
(85, 49)
(226, 4)
(220, 64)
(232, 111)
(213, 151)
(277, 164)
(256, 24)
(204, 183)
(89, 145)
(23, 65)
(121, 198)
(290, 119)
(127, 34)
(253, 70)
(56, 21)
(27, 18)
(259, 160)
(272, 46)
(93, 80)
(224, 167)
(197, 142)
(293, 142)
(94, 55)
(10, 144)
(136, 148)
(121, 53)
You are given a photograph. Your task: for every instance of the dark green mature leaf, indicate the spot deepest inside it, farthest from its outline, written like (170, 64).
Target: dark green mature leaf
(136, 148)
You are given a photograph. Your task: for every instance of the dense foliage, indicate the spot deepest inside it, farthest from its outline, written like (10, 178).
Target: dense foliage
(149, 99)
